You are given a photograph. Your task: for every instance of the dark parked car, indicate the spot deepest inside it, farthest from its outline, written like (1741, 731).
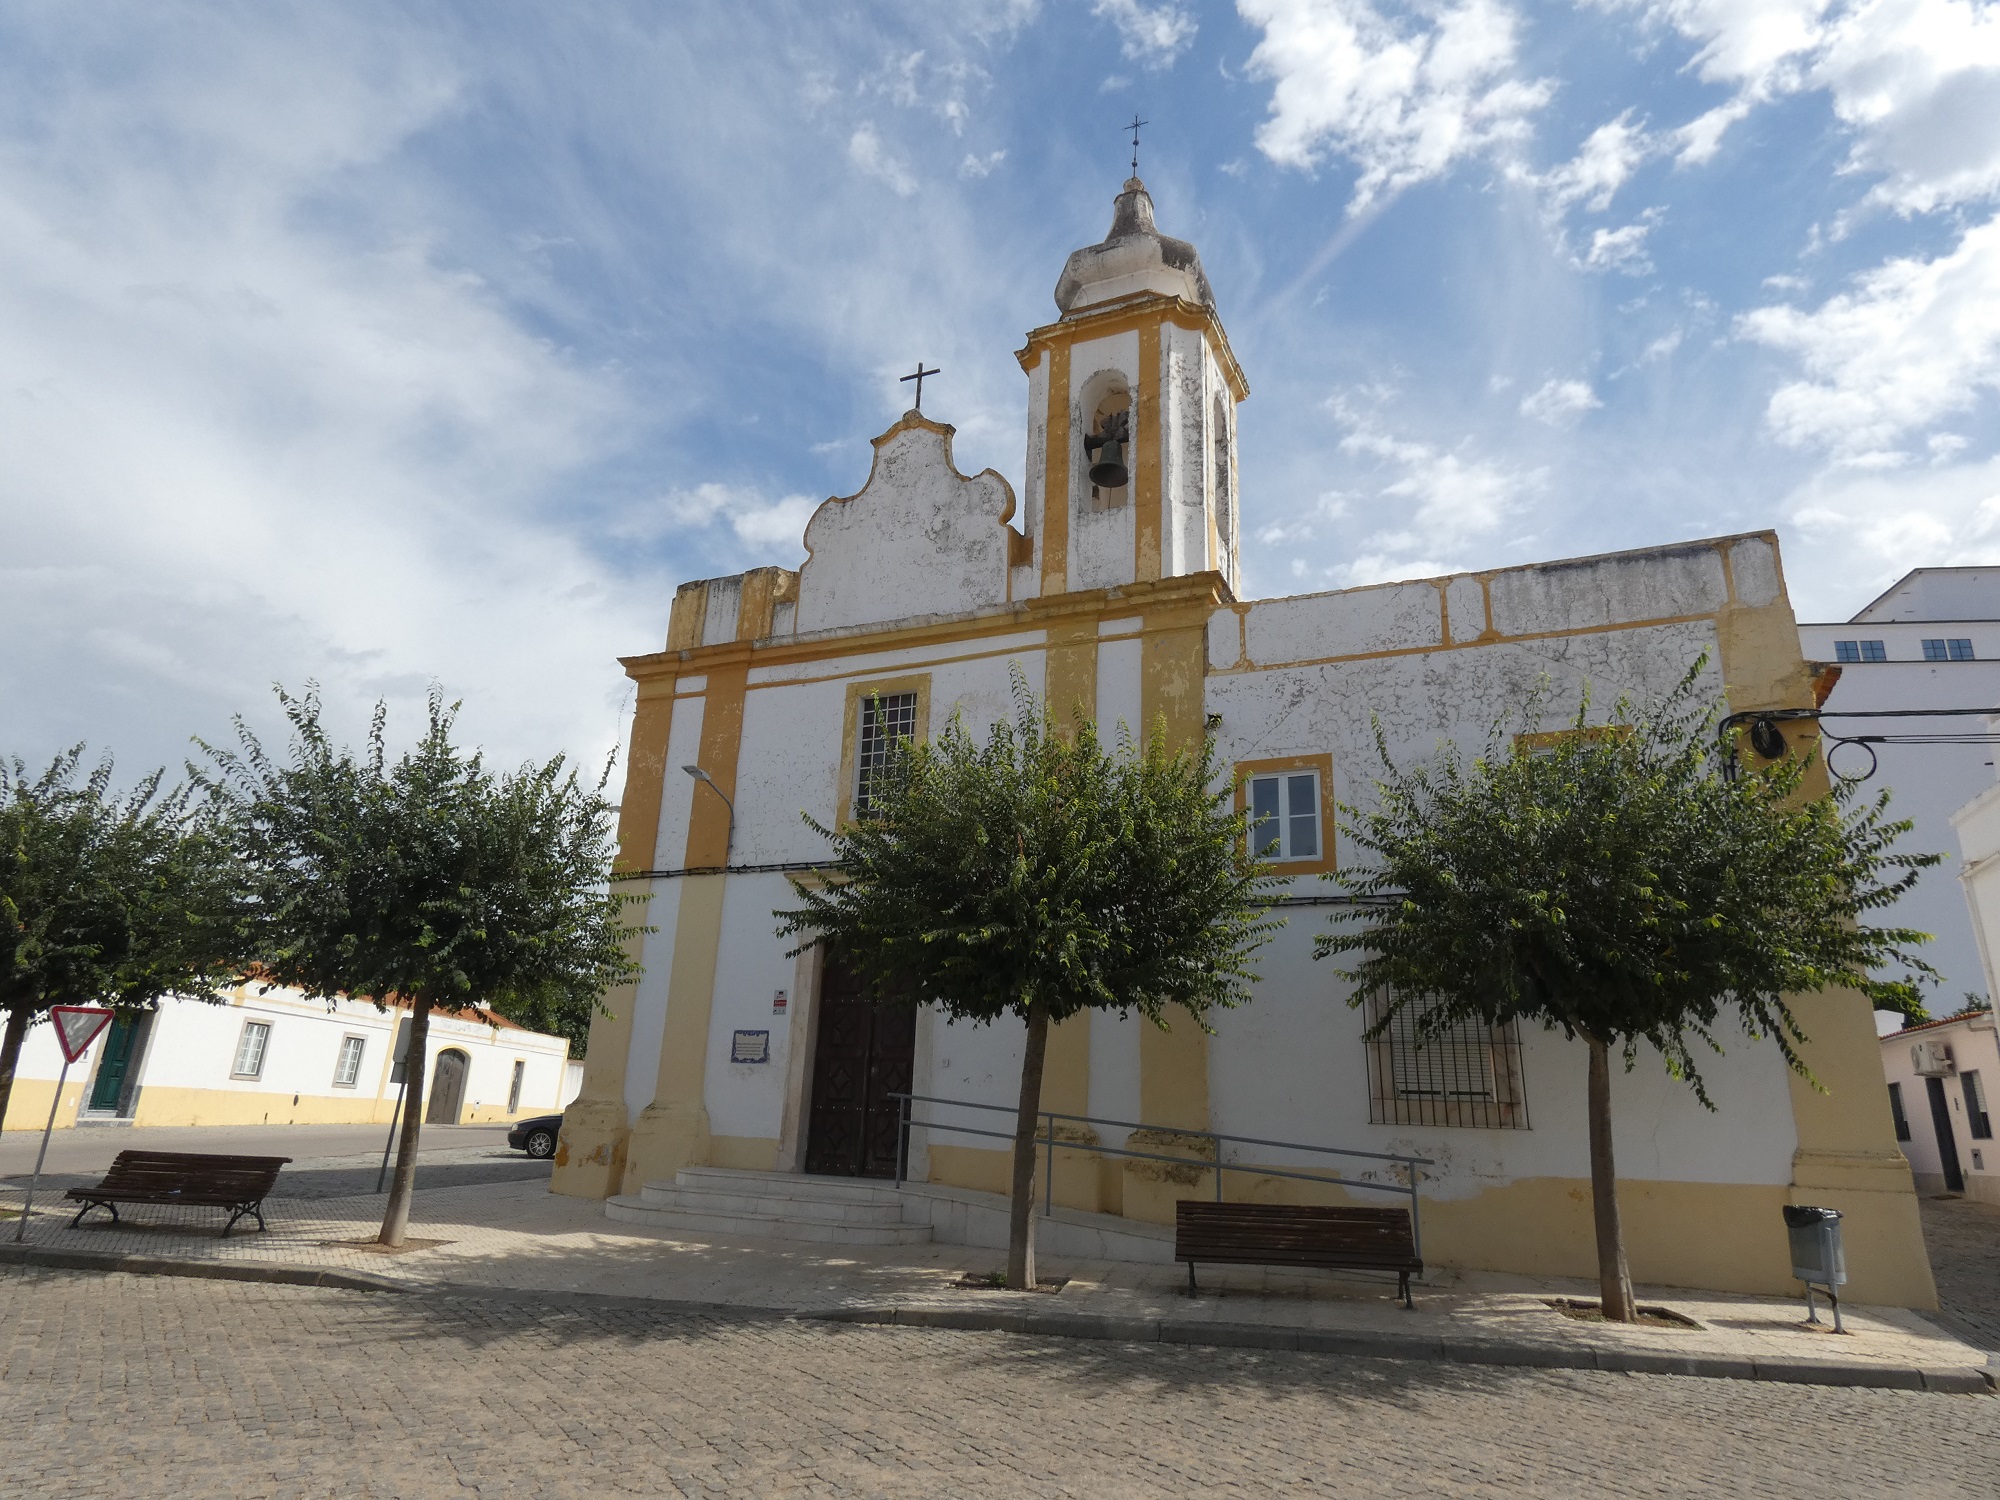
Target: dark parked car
(537, 1137)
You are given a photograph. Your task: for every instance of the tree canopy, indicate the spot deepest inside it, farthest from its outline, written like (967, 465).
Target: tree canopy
(107, 900)
(426, 878)
(1038, 876)
(1623, 881)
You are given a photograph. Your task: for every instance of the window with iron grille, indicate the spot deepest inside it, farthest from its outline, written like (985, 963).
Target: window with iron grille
(1284, 816)
(1952, 648)
(1896, 1109)
(348, 1069)
(1468, 1075)
(1975, 1107)
(885, 720)
(250, 1050)
(1860, 651)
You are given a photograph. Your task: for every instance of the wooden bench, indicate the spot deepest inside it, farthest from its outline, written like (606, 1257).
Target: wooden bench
(237, 1183)
(1277, 1234)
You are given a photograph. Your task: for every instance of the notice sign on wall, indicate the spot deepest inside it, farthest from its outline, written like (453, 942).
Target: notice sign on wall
(750, 1047)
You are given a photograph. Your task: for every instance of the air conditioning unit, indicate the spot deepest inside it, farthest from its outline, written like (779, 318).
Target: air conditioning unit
(1932, 1059)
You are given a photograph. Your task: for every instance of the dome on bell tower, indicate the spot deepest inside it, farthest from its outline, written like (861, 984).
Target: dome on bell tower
(1134, 257)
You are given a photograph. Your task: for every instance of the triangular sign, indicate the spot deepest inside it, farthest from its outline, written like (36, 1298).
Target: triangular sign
(77, 1027)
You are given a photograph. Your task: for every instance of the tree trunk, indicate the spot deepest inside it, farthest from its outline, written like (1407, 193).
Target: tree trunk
(10, 1054)
(1614, 1277)
(1021, 1211)
(396, 1217)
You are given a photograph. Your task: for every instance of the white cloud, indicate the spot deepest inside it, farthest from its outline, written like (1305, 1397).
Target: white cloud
(975, 167)
(1153, 35)
(1917, 81)
(1621, 249)
(1608, 156)
(866, 151)
(1851, 533)
(1559, 402)
(1404, 103)
(1915, 341)
(774, 527)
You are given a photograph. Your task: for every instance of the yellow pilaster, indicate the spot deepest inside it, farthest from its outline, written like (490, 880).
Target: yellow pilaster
(1149, 459)
(672, 1132)
(1847, 1157)
(1054, 540)
(590, 1158)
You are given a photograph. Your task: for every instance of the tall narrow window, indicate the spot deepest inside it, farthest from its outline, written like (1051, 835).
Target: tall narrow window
(1468, 1075)
(250, 1049)
(1975, 1107)
(1284, 816)
(1896, 1109)
(348, 1069)
(514, 1088)
(885, 720)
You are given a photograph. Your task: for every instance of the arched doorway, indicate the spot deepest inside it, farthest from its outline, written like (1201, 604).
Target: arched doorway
(447, 1088)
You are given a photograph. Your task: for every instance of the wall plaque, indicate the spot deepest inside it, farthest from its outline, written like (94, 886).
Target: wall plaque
(750, 1047)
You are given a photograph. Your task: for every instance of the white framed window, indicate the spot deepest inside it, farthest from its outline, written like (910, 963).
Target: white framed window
(885, 720)
(1284, 815)
(514, 1088)
(348, 1070)
(250, 1049)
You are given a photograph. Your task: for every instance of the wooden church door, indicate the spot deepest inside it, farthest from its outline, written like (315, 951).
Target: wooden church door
(862, 1055)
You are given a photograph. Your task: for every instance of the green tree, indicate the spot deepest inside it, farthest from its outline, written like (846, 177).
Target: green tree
(108, 901)
(427, 879)
(1039, 876)
(1621, 883)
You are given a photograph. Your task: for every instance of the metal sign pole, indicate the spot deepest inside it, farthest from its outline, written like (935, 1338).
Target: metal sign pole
(395, 1115)
(28, 1204)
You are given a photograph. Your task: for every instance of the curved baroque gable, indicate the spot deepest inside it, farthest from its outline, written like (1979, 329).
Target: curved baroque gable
(919, 538)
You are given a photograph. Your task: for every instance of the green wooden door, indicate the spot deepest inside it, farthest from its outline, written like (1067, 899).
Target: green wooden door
(117, 1062)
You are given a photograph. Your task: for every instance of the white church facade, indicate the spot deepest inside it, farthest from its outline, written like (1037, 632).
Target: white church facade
(923, 591)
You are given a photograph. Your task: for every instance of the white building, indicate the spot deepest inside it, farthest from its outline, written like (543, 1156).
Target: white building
(279, 1058)
(1118, 592)
(1941, 1077)
(1931, 642)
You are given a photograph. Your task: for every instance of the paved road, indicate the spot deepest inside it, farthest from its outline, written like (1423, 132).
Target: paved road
(329, 1161)
(133, 1387)
(1964, 1241)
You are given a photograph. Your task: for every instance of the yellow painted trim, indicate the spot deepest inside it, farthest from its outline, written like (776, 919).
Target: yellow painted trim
(672, 1131)
(1128, 314)
(159, 1104)
(1149, 457)
(850, 737)
(743, 1153)
(1069, 678)
(764, 589)
(1323, 764)
(1055, 477)
(1173, 1063)
(690, 612)
(721, 741)
(1203, 591)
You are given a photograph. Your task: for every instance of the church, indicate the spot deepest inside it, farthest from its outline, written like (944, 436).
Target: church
(731, 1078)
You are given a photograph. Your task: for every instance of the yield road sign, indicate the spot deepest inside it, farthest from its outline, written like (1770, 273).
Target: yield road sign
(77, 1027)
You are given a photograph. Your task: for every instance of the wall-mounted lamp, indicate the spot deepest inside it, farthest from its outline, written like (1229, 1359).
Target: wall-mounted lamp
(729, 832)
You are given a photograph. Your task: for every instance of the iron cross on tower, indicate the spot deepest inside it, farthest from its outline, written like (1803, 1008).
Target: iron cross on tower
(918, 377)
(1134, 128)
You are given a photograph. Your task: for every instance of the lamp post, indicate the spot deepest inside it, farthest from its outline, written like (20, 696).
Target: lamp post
(729, 832)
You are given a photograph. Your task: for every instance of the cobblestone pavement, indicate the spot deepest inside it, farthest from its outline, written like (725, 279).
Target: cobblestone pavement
(133, 1387)
(1964, 1241)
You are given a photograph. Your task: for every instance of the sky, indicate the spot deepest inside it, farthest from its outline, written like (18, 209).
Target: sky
(376, 345)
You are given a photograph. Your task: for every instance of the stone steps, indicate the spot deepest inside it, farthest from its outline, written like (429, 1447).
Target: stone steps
(771, 1205)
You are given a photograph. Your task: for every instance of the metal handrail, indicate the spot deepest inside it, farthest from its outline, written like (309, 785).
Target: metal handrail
(1411, 1165)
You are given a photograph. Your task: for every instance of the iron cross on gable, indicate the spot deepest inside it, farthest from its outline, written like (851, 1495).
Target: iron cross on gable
(918, 377)
(1134, 128)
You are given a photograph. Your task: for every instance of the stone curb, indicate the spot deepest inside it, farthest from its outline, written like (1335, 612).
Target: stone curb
(1959, 1380)
(209, 1270)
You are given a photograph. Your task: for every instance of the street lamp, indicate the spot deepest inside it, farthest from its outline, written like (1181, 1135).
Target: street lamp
(729, 832)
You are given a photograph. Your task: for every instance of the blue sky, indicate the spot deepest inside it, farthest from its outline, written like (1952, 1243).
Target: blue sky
(374, 344)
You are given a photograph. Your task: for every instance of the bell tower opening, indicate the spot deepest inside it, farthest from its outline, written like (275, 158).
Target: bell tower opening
(1107, 441)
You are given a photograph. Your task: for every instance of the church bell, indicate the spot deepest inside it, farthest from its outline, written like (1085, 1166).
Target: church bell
(1107, 448)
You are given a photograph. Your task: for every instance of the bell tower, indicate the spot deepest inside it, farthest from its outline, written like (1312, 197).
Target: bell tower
(1132, 393)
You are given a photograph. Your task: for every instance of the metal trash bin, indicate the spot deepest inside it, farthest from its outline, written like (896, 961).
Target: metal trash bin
(1817, 1256)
